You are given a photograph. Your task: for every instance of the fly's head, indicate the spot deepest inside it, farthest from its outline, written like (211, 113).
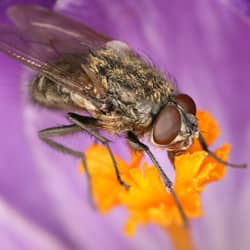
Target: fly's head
(176, 125)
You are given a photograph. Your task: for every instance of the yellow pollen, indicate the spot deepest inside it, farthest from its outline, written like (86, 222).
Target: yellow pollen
(147, 201)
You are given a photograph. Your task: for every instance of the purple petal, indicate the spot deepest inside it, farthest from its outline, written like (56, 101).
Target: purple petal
(18, 232)
(242, 6)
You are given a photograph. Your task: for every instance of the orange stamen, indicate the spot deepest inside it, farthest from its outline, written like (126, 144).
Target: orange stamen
(148, 201)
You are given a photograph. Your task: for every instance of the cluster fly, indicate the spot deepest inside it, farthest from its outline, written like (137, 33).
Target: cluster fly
(80, 70)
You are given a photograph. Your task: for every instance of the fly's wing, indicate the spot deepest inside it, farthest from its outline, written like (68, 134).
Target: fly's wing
(41, 20)
(50, 43)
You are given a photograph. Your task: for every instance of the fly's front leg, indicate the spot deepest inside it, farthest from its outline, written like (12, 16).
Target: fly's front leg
(46, 134)
(83, 122)
(167, 182)
(213, 155)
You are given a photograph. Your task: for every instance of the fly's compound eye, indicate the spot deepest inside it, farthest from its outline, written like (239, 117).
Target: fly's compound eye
(167, 126)
(187, 103)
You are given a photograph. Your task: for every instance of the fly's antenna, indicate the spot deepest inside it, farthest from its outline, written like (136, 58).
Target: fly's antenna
(218, 159)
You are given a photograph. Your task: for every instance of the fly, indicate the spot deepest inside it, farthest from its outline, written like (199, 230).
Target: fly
(82, 70)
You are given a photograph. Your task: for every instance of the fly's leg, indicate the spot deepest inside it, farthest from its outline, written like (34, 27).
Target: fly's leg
(83, 122)
(46, 134)
(167, 182)
(213, 155)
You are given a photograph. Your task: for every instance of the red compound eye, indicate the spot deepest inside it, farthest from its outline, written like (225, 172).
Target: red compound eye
(167, 125)
(187, 103)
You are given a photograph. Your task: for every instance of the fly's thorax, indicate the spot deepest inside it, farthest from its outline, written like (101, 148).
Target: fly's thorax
(176, 125)
(126, 75)
(134, 90)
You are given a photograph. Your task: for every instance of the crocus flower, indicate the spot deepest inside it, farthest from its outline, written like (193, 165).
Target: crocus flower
(43, 198)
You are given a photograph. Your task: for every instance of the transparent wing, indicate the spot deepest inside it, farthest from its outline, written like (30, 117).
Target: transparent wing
(51, 24)
(50, 43)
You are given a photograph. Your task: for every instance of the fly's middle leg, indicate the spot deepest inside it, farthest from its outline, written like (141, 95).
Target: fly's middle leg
(87, 124)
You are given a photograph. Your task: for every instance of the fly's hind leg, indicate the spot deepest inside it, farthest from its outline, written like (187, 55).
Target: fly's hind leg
(84, 123)
(46, 134)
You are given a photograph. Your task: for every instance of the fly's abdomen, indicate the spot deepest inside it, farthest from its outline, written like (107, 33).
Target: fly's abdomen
(50, 94)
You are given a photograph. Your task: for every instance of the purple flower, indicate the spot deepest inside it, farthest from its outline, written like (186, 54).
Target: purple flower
(204, 44)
